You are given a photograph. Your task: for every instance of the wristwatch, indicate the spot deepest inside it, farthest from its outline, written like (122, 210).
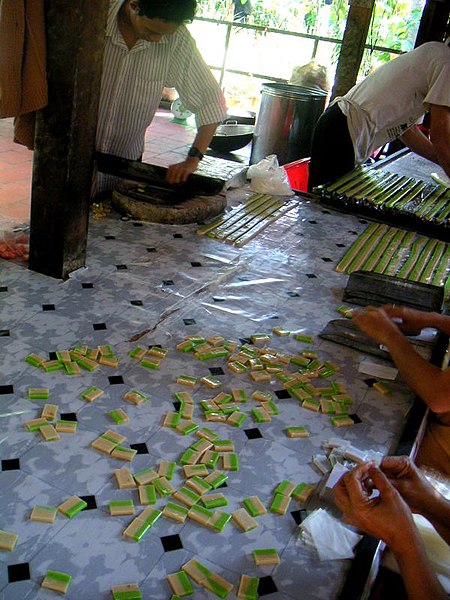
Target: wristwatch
(193, 151)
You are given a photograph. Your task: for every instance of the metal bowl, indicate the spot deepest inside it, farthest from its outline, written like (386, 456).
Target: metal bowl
(231, 136)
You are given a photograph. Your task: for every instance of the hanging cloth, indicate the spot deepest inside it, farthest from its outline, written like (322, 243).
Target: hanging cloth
(23, 77)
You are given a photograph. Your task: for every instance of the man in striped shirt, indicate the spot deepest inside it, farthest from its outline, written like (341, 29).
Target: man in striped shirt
(147, 48)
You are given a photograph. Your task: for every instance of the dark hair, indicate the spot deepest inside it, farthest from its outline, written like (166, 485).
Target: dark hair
(175, 11)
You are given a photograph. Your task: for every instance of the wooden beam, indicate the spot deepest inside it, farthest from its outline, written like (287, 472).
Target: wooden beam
(355, 35)
(65, 136)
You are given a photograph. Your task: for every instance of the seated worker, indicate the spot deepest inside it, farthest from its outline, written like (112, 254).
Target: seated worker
(385, 106)
(148, 48)
(388, 517)
(428, 381)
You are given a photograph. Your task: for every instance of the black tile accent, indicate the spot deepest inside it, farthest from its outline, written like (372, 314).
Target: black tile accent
(48, 307)
(151, 250)
(136, 303)
(168, 282)
(110, 237)
(121, 267)
(245, 341)
(215, 299)
(99, 326)
(171, 542)
(196, 264)
(253, 434)
(19, 572)
(293, 294)
(90, 501)
(154, 346)
(370, 382)
(68, 417)
(355, 418)
(87, 286)
(327, 259)
(266, 586)
(6, 389)
(352, 232)
(176, 405)
(282, 394)
(189, 321)
(222, 485)
(137, 224)
(115, 380)
(363, 221)
(299, 515)
(325, 212)
(311, 276)
(141, 448)
(11, 464)
(3, 288)
(4, 332)
(216, 371)
(313, 222)
(52, 355)
(177, 236)
(340, 245)
(274, 317)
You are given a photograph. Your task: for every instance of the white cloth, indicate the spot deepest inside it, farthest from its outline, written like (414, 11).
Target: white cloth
(395, 96)
(132, 85)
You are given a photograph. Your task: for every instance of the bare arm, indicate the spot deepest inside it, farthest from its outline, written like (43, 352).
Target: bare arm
(428, 381)
(179, 172)
(387, 517)
(440, 134)
(437, 147)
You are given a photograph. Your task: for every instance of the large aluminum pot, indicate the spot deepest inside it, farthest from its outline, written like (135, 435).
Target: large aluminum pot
(286, 120)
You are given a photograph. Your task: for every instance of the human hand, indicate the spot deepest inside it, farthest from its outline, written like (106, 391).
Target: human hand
(412, 320)
(376, 323)
(409, 481)
(386, 517)
(179, 172)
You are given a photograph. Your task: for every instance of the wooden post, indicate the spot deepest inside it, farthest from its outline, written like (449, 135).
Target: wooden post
(65, 136)
(434, 24)
(355, 35)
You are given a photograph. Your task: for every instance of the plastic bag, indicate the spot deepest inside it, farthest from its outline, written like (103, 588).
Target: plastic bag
(267, 177)
(14, 240)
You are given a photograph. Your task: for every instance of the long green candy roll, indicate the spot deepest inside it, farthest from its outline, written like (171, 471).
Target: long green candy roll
(379, 179)
(375, 256)
(435, 210)
(245, 224)
(270, 217)
(240, 215)
(342, 181)
(432, 262)
(441, 272)
(241, 208)
(435, 196)
(423, 258)
(409, 191)
(443, 216)
(362, 246)
(397, 187)
(394, 264)
(362, 187)
(390, 251)
(256, 223)
(414, 253)
(384, 187)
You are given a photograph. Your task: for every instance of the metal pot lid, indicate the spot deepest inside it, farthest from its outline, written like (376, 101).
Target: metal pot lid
(232, 129)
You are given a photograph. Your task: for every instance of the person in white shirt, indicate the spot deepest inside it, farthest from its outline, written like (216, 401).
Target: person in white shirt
(384, 106)
(147, 48)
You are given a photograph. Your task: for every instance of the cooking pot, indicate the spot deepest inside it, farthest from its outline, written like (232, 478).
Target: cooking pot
(231, 136)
